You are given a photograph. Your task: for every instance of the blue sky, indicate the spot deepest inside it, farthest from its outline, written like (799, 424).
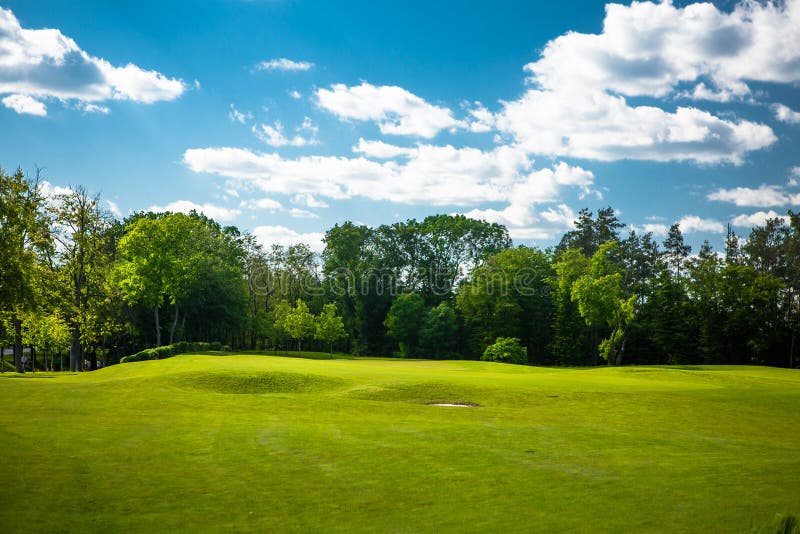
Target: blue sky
(286, 117)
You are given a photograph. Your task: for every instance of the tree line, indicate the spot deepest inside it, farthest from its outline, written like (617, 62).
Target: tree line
(82, 289)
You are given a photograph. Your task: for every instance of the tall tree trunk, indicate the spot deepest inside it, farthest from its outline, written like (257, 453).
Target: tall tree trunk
(182, 331)
(158, 326)
(33, 359)
(174, 325)
(93, 359)
(2, 359)
(621, 352)
(76, 351)
(17, 322)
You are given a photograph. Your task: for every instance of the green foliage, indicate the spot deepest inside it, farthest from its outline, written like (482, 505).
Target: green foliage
(505, 350)
(299, 323)
(509, 296)
(597, 290)
(404, 321)
(167, 351)
(329, 326)
(438, 335)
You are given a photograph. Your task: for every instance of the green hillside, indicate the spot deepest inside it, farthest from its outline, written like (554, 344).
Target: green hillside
(250, 442)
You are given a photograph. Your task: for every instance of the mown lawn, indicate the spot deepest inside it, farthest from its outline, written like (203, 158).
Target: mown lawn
(264, 443)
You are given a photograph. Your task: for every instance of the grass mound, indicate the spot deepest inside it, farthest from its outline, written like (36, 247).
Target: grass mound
(256, 382)
(422, 393)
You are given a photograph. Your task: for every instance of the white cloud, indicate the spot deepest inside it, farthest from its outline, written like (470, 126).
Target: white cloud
(561, 216)
(650, 49)
(395, 110)
(281, 235)
(283, 64)
(702, 92)
(297, 213)
(273, 135)
(308, 200)
(540, 186)
(786, 114)
(483, 119)
(692, 223)
(237, 116)
(763, 196)
(50, 191)
(113, 207)
(218, 213)
(262, 203)
(25, 105)
(546, 224)
(604, 127)
(381, 150)
(657, 229)
(433, 175)
(94, 108)
(294, 93)
(578, 106)
(756, 219)
(46, 63)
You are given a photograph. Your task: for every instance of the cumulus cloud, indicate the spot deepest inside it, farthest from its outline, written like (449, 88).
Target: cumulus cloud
(758, 218)
(582, 82)
(237, 116)
(538, 187)
(281, 235)
(395, 110)
(113, 207)
(45, 63)
(604, 127)
(692, 223)
(657, 229)
(760, 197)
(283, 64)
(269, 204)
(649, 49)
(298, 213)
(25, 105)
(432, 175)
(273, 134)
(381, 150)
(786, 114)
(273, 206)
(95, 108)
(308, 200)
(218, 213)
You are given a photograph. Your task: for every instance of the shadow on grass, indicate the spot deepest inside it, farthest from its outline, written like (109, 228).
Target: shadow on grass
(288, 354)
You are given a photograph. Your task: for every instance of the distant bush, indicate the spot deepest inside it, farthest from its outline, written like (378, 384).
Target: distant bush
(780, 524)
(167, 351)
(505, 350)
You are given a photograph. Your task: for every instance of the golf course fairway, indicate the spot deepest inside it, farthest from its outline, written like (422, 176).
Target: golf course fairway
(262, 443)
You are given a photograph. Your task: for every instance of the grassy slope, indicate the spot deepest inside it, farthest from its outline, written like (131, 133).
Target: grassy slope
(350, 445)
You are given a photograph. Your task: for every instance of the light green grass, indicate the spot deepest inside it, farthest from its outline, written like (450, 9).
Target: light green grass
(264, 443)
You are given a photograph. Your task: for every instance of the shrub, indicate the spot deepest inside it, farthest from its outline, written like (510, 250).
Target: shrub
(506, 350)
(167, 351)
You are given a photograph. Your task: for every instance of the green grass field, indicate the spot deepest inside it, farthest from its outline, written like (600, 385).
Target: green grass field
(264, 443)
